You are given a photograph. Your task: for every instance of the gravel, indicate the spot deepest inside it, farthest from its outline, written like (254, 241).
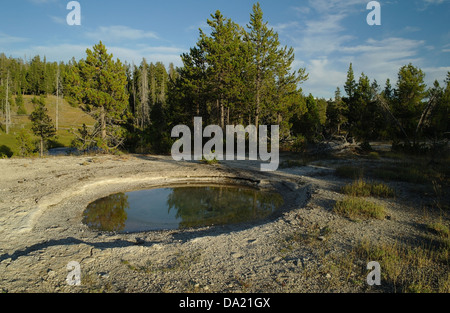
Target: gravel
(42, 201)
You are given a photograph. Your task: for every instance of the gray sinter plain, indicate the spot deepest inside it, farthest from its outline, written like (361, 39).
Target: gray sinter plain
(179, 208)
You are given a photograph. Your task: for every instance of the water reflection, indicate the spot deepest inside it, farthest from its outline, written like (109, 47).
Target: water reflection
(179, 208)
(107, 214)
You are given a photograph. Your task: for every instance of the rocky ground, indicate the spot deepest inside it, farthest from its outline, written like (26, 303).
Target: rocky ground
(304, 248)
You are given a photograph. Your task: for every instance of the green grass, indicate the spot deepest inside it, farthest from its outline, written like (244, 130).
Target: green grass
(69, 118)
(356, 208)
(440, 229)
(361, 188)
(409, 269)
(405, 172)
(417, 171)
(293, 163)
(214, 161)
(347, 171)
(373, 155)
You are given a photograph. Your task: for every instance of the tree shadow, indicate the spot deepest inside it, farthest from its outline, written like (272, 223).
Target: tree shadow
(68, 242)
(5, 150)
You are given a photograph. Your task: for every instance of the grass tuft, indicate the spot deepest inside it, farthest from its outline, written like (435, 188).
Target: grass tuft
(346, 171)
(417, 269)
(356, 208)
(361, 188)
(439, 229)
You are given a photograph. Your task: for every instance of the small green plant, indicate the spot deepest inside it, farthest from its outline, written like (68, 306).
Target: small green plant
(299, 144)
(346, 171)
(361, 188)
(25, 143)
(5, 152)
(356, 208)
(210, 161)
(293, 163)
(373, 155)
(440, 229)
(416, 269)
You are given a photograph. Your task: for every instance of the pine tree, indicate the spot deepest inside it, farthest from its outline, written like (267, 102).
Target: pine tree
(336, 113)
(222, 54)
(42, 125)
(265, 57)
(309, 124)
(143, 109)
(25, 144)
(99, 83)
(388, 92)
(350, 84)
(407, 102)
(20, 104)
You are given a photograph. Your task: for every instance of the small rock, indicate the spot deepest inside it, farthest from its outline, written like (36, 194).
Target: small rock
(103, 275)
(321, 238)
(51, 273)
(301, 262)
(328, 275)
(206, 288)
(236, 255)
(276, 259)
(139, 241)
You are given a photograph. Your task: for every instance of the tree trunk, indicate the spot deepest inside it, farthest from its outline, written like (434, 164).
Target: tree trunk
(258, 101)
(222, 115)
(57, 102)
(257, 115)
(103, 123)
(144, 96)
(7, 107)
(42, 147)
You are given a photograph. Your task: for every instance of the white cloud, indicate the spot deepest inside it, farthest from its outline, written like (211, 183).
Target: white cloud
(6, 39)
(324, 77)
(58, 20)
(119, 33)
(422, 6)
(337, 6)
(381, 59)
(65, 52)
(54, 53)
(435, 1)
(284, 26)
(435, 73)
(166, 55)
(327, 48)
(43, 1)
(302, 10)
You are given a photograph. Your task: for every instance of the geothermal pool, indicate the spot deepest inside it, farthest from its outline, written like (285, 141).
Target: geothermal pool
(180, 208)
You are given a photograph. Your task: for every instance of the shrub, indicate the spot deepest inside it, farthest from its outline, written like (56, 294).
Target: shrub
(25, 143)
(5, 152)
(349, 172)
(361, 188)
(355, 208)
(440, 229)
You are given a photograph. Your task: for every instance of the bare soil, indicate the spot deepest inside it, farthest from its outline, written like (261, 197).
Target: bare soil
(297, 250)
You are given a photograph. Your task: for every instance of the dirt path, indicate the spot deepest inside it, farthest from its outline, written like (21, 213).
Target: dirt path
(42, 201)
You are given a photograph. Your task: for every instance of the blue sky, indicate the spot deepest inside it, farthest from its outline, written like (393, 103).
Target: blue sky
(326, 34)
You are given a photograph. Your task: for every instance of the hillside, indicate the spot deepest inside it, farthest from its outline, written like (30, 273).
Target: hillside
(69, 118)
